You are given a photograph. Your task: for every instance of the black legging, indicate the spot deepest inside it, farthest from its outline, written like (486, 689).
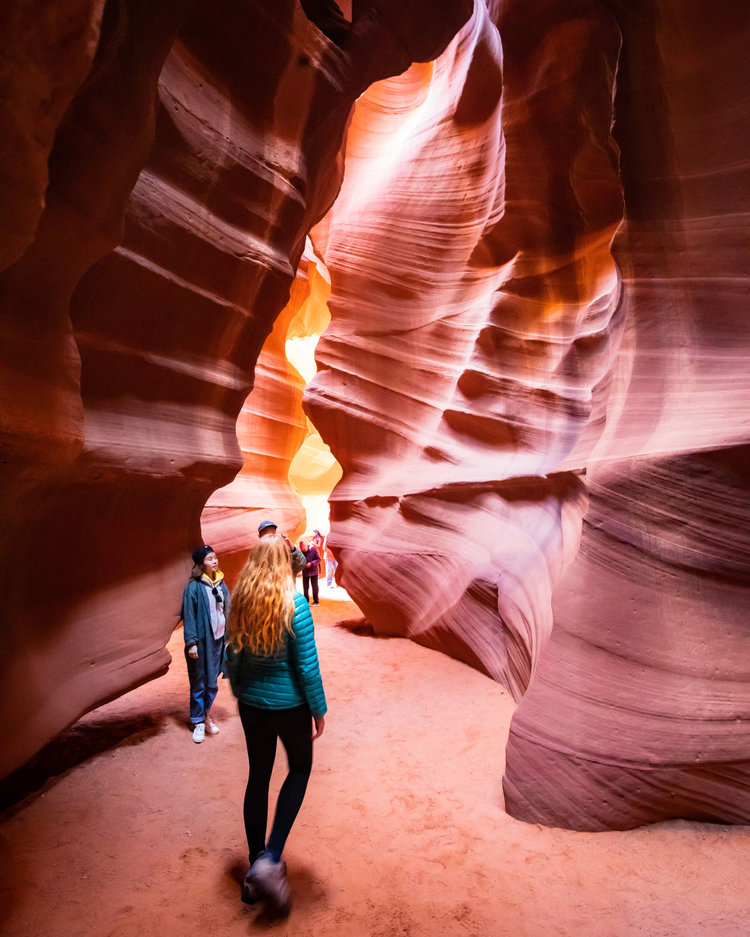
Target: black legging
(262, 728)
(310, 581)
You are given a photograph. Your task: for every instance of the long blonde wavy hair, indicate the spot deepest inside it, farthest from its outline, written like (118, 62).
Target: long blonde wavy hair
(262, 606)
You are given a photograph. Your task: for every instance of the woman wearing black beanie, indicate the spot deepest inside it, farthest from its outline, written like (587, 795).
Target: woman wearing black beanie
(205, 610)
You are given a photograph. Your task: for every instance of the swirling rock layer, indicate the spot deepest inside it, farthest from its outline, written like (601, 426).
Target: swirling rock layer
(183, 176)
(271, 429)
(637, 711)
(649, 655)
(537, 272)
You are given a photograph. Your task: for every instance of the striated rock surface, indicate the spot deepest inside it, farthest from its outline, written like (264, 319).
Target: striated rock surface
(475, 321)
(535, 379)
(183, 178)
(538, 272)
(640, 707)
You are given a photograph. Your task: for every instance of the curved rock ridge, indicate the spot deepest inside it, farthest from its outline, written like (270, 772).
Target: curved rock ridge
(91, 522)
(640, 708)
(474, 325)
(184, 176)
(647, 653)
(486, 354)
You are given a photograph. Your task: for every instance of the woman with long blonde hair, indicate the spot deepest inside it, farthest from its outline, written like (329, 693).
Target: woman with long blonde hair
(272, 664)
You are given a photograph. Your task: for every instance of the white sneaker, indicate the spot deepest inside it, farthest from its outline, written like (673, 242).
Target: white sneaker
(199, 732)
(211, 727)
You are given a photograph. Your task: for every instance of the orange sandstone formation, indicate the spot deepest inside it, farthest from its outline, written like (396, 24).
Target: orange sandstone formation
(270, 429)
(537, 275)
(535, 378)
(476, 314)
(183, 178)
(283, 455)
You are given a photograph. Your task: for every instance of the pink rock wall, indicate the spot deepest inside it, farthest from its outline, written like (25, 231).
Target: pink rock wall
(476, 317)
(528, 286)
(183, 178)
(640, 704)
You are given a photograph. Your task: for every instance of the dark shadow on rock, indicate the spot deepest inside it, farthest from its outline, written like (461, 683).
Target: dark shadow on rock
(363, 627)
(328, 17)
(76, 745)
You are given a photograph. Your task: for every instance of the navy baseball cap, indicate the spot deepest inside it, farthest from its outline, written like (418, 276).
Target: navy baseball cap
(264, 525)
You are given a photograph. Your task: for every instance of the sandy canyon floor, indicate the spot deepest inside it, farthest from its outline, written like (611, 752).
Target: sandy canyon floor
(125, 827)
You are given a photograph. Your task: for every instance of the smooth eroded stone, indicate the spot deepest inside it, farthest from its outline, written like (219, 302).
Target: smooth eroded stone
(191, 149)
(538, 269)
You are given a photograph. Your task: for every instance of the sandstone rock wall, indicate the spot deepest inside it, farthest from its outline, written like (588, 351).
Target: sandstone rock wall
(183, 176)
(476, 315)
(641, 699)
(538, 344)
(271, 429)
(538, 273)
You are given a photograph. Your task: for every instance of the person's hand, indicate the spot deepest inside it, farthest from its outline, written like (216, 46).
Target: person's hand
(320, 724)
(193, 651)
(286, 540)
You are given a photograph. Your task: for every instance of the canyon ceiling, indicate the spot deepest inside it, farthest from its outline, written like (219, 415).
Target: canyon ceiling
(523, 227)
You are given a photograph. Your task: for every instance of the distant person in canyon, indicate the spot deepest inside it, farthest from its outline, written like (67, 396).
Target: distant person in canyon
(272, 664)
(205, 609)
(311, 570)
(331, 565)
(266, 528)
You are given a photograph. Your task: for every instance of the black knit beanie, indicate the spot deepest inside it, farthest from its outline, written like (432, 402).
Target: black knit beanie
(201, 553)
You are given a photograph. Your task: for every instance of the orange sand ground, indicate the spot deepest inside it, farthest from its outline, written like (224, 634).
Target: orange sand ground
(137, 831)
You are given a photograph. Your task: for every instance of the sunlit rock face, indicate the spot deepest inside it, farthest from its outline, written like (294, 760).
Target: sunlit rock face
(476, 315)
(535, 379)
(200, 144)
(538, 274)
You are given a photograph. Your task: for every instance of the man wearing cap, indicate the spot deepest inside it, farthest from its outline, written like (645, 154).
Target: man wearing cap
(205, 610)
(298, 557)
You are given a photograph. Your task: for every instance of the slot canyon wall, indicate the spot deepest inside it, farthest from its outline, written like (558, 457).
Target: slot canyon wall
(539, 304)
(535, 377)
(161, 168)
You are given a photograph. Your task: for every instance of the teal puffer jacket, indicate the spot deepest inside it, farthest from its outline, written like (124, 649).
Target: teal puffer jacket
(289, 678)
